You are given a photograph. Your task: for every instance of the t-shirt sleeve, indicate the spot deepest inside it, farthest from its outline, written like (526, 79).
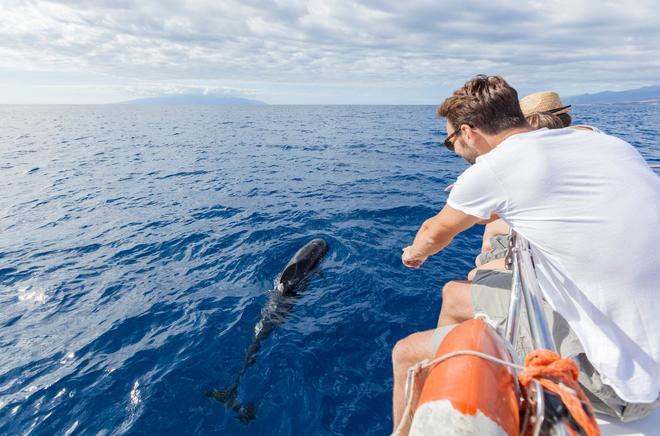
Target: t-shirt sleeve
(478, 192)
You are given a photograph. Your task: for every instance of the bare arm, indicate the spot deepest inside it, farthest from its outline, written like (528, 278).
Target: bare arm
(435, 234)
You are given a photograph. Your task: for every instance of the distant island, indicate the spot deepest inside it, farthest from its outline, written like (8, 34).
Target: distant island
(647, 93)
(183, 99)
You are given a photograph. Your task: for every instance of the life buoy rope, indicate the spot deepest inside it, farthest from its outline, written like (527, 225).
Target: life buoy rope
(560, 376)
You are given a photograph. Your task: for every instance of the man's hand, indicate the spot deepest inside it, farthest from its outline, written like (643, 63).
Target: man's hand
(409, 260)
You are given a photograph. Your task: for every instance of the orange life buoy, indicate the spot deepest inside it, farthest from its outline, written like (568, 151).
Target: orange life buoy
(468, 394)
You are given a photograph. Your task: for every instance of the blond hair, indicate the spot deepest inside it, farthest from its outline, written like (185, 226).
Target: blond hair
(538, 120)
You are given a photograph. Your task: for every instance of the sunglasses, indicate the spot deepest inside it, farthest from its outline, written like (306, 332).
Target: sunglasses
(448, 142)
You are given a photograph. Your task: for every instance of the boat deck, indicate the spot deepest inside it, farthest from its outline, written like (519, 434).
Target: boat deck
(647, 426)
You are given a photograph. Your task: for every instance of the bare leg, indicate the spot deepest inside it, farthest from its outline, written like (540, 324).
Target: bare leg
(456, 308)
(456, 303)
(493, 264)
(406, 353)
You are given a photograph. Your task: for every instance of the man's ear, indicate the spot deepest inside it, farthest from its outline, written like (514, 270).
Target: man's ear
(469, 132)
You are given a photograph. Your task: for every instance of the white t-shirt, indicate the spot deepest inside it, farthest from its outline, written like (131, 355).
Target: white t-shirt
(590, 207)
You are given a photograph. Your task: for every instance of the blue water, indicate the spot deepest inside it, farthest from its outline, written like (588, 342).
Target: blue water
(138, 245)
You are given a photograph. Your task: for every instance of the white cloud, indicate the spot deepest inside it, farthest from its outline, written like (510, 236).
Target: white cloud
(561, 44)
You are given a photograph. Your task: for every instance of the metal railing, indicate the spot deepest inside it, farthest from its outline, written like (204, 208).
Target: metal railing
(525, 288)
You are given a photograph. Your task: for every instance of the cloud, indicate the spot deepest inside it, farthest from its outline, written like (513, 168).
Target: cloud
(562, 44)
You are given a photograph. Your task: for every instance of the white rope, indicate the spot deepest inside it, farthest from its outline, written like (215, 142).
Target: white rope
(414, 371)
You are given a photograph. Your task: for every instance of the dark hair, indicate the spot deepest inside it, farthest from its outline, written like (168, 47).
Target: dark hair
(538, 120)
(485, 102)
(565, 119)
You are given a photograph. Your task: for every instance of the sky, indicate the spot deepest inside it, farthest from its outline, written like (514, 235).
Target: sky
(320, 52)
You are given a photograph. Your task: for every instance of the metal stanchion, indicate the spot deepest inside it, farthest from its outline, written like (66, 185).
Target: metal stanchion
(512, 321)
(525, 287)
(541, 334)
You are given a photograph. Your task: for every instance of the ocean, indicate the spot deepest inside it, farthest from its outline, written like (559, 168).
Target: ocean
(138, 245)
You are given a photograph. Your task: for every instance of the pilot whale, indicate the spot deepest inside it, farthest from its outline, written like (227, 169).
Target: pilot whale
(289, 284)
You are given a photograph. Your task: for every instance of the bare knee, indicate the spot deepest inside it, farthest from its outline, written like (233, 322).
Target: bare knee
(411, 350)
(456, 301)
(402, 354)
(451, 293)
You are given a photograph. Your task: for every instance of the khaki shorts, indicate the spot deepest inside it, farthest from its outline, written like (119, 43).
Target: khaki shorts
(491, 291)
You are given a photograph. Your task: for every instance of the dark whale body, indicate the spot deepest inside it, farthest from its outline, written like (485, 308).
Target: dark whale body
(300, 265)
(288, 286)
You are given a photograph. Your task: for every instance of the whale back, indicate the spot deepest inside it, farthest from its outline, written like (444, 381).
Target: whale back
(300, 264)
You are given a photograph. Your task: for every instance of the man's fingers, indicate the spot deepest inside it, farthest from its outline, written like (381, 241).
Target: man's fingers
(412, 263)
(407, 261)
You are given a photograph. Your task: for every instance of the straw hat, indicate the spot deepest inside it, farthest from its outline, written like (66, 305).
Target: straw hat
(544, 101)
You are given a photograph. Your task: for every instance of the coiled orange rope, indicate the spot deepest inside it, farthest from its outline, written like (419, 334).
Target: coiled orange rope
(549, 369)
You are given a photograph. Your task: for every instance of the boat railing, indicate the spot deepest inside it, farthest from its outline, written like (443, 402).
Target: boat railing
(525, 290)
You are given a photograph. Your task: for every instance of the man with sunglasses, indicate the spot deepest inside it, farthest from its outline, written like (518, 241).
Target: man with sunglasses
(560, 191)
